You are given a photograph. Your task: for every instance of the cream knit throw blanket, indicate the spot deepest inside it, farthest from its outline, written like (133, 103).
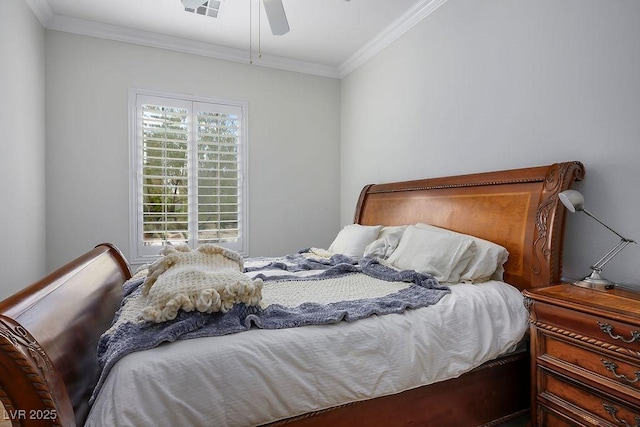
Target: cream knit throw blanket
(208, 279)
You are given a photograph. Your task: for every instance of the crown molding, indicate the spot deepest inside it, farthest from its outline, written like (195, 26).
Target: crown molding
(44, 13)
(41, 9)
(145, 38)
(404, 23)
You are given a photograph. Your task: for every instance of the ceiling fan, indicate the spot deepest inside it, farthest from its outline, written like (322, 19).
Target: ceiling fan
(275, 13)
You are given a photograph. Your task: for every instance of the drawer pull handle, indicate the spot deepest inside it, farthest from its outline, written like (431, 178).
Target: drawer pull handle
(610, 366)
(607, 328)
(612, 410)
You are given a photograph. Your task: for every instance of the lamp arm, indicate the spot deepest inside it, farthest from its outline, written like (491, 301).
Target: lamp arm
(612, 253)
(607, 227)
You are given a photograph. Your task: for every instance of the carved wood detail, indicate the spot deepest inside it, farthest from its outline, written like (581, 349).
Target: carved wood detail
(23, 351)
(586, 339)
(550, 216)
(8, 407)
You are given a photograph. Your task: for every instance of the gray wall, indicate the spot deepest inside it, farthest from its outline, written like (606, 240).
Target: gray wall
(22, 148)
(294, 137)
(500, 84)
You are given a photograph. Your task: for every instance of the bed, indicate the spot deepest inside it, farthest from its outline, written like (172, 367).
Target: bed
(49, 332)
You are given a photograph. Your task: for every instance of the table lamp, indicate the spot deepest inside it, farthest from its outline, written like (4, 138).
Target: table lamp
(574, 201)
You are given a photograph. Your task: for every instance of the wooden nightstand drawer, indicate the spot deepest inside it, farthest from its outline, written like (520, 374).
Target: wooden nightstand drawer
(585, 349)
(596, 330)
(549, 417)
(595, 365)
(584, 404)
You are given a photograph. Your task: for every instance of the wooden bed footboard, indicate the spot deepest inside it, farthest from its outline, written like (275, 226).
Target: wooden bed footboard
(48, 336)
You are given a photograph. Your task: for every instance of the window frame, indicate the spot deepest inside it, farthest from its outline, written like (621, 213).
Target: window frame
(140, 253)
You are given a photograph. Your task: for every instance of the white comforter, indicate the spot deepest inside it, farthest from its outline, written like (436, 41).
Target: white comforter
(259, 376)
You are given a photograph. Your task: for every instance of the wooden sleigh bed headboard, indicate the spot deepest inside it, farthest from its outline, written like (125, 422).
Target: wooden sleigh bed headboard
(49, 331)
(517, 209)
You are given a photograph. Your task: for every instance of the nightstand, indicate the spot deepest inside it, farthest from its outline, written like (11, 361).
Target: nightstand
(585, 356)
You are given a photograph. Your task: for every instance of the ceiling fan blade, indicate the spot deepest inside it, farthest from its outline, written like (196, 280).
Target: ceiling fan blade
(193, 4)
(276, 16)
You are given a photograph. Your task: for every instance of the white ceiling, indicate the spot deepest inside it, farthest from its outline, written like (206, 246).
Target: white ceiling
(327, 37)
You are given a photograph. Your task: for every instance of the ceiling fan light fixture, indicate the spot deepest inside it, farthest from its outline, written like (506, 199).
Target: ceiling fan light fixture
(207, 8)
(192, 4)
(276, 16)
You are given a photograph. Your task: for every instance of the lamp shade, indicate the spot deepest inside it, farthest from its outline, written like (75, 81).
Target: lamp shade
(572, 200)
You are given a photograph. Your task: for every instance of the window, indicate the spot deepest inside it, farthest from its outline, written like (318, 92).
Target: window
(187, 181)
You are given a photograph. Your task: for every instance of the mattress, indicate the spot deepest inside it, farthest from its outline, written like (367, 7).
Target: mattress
(260, 376)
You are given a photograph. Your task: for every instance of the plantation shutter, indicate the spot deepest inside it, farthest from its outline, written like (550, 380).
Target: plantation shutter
(218, 174)
(165, 189)
(189, 187)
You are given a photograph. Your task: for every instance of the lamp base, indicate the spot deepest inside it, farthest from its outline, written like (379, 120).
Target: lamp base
(595, 281)
(595, 286)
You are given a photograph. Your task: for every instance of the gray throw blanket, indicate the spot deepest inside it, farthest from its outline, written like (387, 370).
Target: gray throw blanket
(126, 336)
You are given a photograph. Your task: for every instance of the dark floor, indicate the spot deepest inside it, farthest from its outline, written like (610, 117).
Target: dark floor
(518, 422)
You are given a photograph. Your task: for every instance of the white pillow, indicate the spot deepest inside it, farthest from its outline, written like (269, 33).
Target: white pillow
(352, 239)
(443, 255)
(486, 264)
(386, 243)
